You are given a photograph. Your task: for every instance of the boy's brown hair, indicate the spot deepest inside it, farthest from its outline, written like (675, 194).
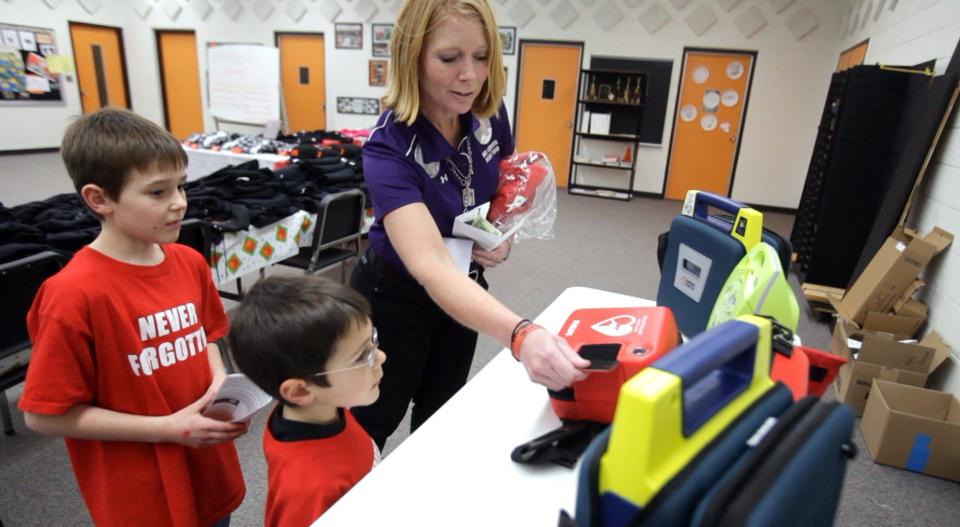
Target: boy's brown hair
(287, 328)
(103, 147)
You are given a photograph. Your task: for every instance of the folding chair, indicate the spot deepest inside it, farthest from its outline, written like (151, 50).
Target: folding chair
(336, 238)
(19, 281)
(194, 233)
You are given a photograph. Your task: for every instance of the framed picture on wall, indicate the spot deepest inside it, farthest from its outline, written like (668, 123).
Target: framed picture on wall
(508, 36)
(378, 72)
(358, 105)
(380, 35)
(348, 36)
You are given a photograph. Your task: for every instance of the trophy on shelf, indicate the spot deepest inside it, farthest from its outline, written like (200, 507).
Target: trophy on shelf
(592, 90)
(637, 96)
(617, 93)
(626, 92)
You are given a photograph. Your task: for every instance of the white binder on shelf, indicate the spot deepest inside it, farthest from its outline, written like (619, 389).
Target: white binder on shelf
(585, 122)
(600, 123)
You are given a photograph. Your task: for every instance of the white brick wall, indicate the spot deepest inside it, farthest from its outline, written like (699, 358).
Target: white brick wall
(914, 32)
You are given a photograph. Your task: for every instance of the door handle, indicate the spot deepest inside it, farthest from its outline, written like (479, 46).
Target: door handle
(569, 124)
(733, 138)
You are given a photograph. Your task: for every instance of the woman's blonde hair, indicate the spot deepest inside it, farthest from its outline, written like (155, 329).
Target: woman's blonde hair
(415, 21)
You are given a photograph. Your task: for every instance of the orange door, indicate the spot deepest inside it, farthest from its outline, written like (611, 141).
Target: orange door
(547, 101)
(853, 56)
(98, 54)
(180, 75)
(714, 87)
(303, 81)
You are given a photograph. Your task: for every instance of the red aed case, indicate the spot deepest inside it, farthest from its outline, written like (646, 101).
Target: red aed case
(618, 342)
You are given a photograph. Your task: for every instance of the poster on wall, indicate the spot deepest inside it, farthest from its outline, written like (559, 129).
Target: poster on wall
(25, 73)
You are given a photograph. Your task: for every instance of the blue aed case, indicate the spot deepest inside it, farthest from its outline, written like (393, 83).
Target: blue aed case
(668, 413)
(701, 254)
(703, 438)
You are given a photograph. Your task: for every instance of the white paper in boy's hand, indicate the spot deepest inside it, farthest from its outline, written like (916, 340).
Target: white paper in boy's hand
(237, 399)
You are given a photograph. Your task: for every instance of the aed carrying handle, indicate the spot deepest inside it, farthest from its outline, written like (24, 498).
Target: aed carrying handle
(747, 223)
(711, 380)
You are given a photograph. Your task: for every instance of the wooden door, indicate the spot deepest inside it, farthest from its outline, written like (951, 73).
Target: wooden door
(853, 56)
(711, 104)
(101, 69)
(303, 81)
(180, 82)
(547, 101)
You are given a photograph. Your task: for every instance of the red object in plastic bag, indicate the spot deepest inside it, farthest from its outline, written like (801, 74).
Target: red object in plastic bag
(518, 185)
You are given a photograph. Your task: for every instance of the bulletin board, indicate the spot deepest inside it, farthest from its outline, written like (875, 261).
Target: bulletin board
(658, 73)
(243, 82)
(25, 75)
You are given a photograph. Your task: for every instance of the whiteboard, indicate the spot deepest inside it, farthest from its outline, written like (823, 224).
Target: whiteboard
(243, 83)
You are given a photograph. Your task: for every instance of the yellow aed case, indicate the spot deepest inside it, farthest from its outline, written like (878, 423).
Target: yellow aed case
(757, 286)
(669, 412)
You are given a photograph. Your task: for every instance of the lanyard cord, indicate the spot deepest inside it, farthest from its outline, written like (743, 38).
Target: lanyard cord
(464, 179)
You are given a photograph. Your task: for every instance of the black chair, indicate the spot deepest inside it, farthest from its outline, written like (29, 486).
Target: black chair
(19, 281)
(195, 233)
(336, 237)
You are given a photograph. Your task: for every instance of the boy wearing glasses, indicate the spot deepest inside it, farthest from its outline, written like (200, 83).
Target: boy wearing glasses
(309, 343)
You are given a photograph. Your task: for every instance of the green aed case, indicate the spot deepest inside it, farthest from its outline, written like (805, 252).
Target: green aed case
(757, 286)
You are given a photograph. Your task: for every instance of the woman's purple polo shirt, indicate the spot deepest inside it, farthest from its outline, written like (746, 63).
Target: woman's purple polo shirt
(405, 164)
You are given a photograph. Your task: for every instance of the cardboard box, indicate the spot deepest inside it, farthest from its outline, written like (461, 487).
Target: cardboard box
(891, 272)
(913, 428)
(903, 323)
(882, 357)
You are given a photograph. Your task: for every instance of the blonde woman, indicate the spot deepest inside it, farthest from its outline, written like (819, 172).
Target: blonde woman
(434, 154)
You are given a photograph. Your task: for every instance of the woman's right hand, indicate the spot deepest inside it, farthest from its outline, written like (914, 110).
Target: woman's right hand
(550, 361)
(189, 427)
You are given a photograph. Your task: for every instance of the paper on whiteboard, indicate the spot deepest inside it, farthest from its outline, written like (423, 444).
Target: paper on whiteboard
(244, 83)
(237, 399)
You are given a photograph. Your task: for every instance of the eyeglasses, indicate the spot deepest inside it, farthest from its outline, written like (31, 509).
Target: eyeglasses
(367, 358)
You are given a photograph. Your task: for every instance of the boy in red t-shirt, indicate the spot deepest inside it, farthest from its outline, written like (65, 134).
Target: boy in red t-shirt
(123, 355)
(309, 342)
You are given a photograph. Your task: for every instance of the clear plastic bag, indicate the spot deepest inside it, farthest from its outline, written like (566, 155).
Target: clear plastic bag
(527, 193)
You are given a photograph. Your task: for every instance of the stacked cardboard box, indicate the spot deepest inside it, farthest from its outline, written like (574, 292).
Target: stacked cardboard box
(913, 428)
(882, 297)
(871, 355)
(904, 425)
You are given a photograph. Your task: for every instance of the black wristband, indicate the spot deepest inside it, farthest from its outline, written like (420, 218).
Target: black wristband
(513, 335)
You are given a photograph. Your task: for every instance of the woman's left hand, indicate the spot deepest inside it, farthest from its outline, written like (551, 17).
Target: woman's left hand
(492, 258)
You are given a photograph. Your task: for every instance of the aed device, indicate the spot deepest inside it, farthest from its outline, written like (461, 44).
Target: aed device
(757, 286)
(618, 342)
(670, 412)
(700, 255)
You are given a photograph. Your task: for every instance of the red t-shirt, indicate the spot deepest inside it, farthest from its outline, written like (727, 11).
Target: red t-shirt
(133, 339)
(309, 467)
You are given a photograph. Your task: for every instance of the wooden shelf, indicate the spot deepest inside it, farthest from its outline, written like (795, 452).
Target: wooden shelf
(604, 165)
(601, 193)
(610, 137)
(625, 121)
(610, 103)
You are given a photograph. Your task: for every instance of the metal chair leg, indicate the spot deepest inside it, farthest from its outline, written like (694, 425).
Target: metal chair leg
(5, 417)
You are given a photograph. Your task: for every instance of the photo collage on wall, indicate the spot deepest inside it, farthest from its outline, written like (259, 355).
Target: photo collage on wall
(25, 74)
(350, 36)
